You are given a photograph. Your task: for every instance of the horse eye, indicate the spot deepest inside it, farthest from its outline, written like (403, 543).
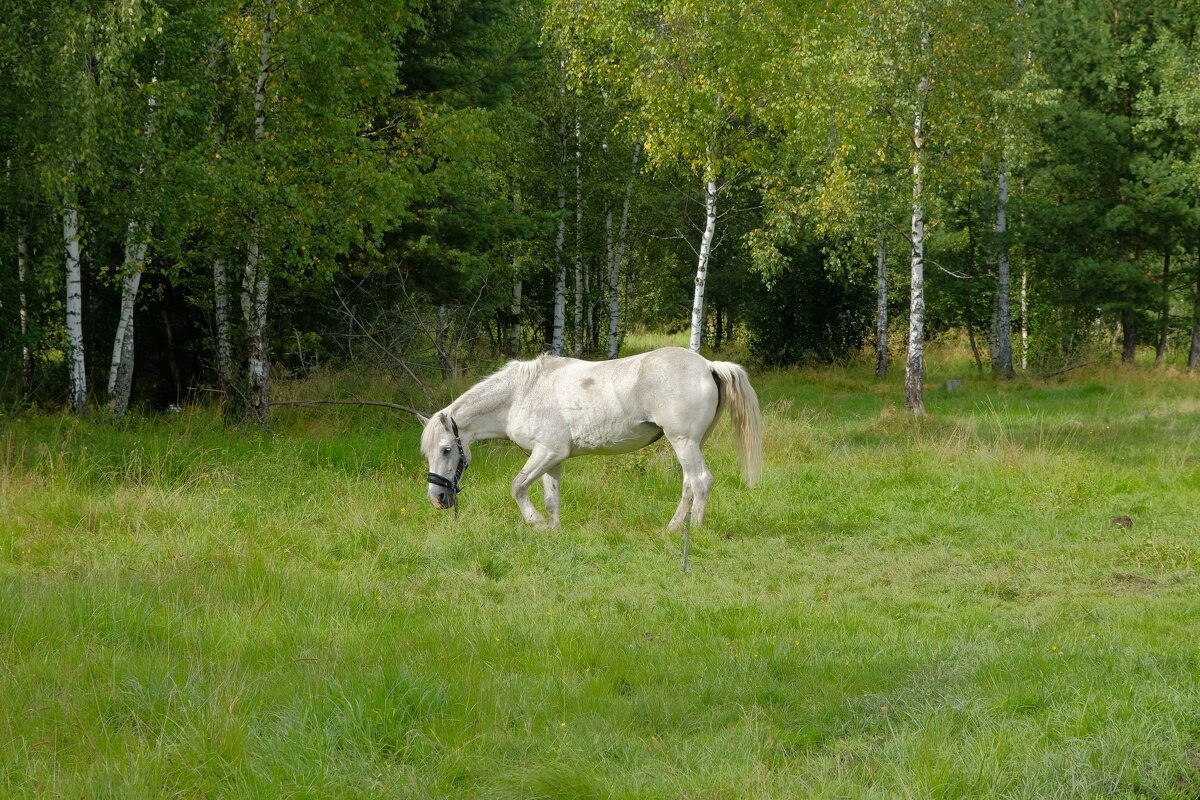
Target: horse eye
(445, 451)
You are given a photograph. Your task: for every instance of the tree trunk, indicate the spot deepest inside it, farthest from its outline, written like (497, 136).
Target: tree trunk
(557, 345)
(914, 369)
(226, 374)
(255, 278)
(120, 372)
(1164, 321)
(1024, 319)
(580, 300)
(442, 344)
(1002, 362)
(881, 306)
(710, 227)
(513, 339)
(172, 358)
(254, 311)
(616, 258)
(511, 335)
(1128, 334)
(974, 347)
(1194, 351)
(22, 281)
(77, 371)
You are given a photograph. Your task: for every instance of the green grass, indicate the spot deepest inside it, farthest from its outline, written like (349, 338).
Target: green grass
(934, 608)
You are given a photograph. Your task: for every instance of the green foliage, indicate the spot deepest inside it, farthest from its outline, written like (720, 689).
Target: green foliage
(412, 155)
(812, 312)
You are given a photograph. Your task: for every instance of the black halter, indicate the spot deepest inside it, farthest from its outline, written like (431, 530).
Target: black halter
(444, 482)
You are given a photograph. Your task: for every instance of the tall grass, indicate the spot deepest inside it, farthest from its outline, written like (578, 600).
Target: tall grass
(903, 608)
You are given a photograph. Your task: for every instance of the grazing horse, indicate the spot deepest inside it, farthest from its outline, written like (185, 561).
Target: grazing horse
(554, 408)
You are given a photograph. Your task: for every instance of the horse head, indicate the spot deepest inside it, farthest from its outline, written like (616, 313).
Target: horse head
(448, 459)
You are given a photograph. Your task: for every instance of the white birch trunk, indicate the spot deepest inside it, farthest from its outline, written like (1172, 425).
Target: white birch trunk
(225, 367)
(254, 312)
(77, 372)
(616, 259)
(512, 336)
(881, 309)
(22, 281)
(580, 298)
(610, 247)
(514, 328)
(120, 371)
(255, 278)
(560, 267)
(914, 370)
(1024, 320)
(557, 344)
(1002, 363)
(1002, 360)
(710, 227)
(1193, 362)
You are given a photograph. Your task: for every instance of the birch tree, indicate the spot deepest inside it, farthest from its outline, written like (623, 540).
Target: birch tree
(73, 154)
(76, 366)
(580, 280)
(616, 257)
(557, 343)
(914, 367)
(120, 373)
(23, 284)
(881, 304)
(299, 160)
(673, 56)
(255, 273)
(1012, 118)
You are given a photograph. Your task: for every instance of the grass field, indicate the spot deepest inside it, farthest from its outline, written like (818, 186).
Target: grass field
(934, 608)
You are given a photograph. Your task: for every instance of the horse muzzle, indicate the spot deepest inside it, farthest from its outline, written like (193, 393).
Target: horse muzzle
(443, 493)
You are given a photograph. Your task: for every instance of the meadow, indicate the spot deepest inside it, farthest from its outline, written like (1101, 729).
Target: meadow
(941, 607)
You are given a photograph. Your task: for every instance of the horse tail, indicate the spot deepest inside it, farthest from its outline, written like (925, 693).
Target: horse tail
(738, 394)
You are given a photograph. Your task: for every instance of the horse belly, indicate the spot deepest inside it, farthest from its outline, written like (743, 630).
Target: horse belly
(612, 441)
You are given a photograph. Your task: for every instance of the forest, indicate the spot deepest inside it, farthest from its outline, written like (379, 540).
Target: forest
(954, 243)
(200, 197)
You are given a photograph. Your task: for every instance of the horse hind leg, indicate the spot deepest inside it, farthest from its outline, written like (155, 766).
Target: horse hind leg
(697, 482)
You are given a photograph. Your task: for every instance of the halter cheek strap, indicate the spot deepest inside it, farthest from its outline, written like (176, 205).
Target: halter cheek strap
(447, 483)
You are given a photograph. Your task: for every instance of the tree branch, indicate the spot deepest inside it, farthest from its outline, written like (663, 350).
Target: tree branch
(380, 403)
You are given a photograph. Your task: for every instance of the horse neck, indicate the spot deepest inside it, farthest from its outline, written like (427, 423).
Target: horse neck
(482, 411)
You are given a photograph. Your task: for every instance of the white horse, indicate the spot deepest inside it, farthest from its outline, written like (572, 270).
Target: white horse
(554, 408)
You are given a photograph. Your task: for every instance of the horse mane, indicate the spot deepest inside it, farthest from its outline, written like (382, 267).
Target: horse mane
(513, 379)
(520, 374)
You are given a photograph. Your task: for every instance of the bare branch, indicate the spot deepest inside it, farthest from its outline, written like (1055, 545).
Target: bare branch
(380, 403)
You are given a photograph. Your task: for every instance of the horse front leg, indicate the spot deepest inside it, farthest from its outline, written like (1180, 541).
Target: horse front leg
(541, 461)
(550, 484)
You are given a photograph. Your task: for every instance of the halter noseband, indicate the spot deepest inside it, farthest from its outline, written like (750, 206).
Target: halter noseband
(447, 483)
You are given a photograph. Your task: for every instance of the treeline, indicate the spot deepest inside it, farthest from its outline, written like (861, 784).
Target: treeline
(198, 196)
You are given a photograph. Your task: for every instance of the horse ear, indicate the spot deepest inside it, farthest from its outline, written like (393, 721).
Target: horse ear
(424, 419)
(445, 420)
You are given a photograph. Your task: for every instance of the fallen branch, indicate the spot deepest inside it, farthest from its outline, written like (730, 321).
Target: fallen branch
(380, 403)
(1070, 368)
